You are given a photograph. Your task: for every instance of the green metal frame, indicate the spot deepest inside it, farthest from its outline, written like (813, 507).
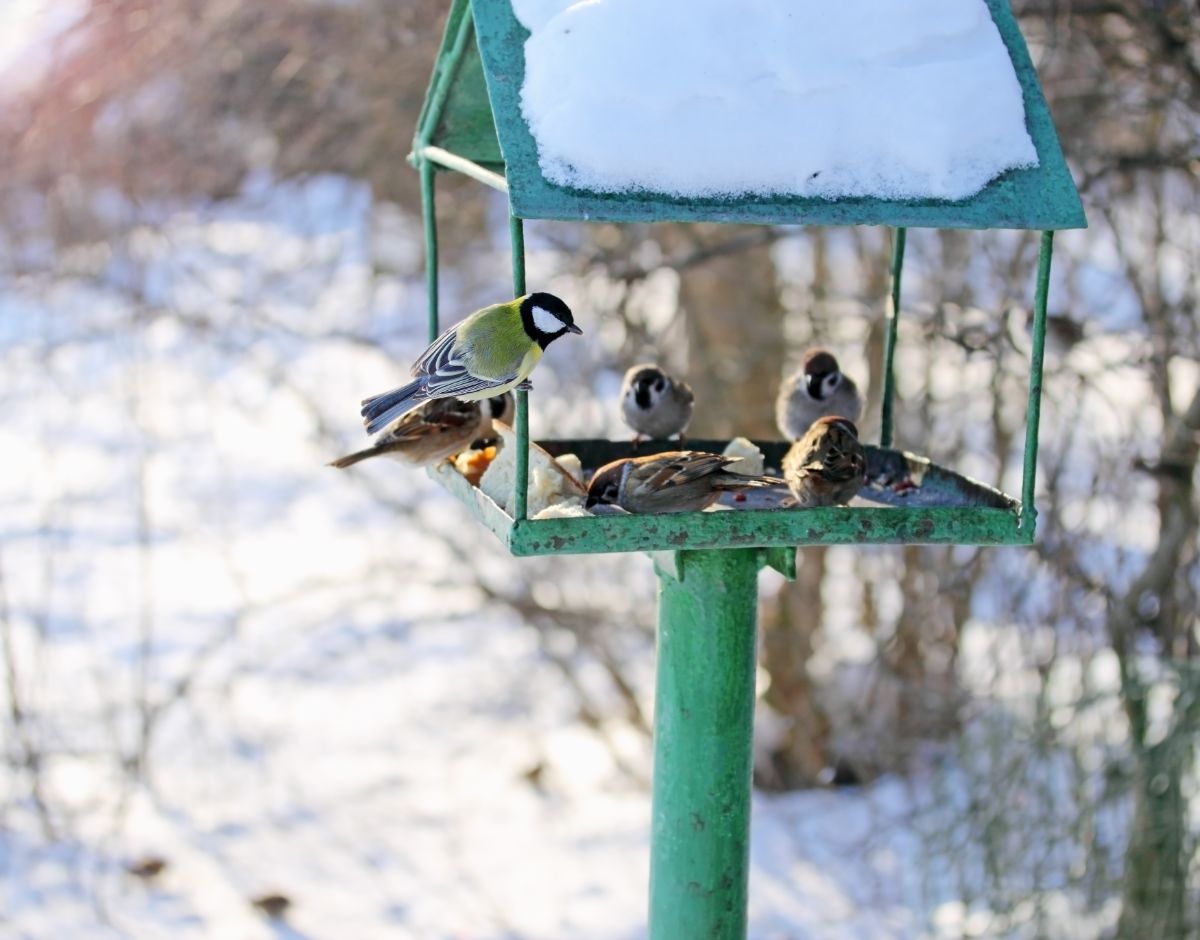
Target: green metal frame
(707, 563)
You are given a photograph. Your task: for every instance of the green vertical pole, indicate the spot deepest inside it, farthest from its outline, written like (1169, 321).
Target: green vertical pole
(703, 727)
(429, 216)
(521, 497)
(889, 344)
(1034, 414)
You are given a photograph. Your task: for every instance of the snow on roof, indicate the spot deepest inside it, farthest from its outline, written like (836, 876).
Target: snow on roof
(798, 97)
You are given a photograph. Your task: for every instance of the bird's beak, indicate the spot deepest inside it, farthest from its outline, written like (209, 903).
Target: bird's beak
(574, 329)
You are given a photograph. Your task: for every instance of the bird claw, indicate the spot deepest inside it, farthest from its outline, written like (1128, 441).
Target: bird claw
(525, 386)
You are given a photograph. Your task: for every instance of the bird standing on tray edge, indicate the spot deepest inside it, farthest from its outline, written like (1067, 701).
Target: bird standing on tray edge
(827, 466)
(816, 389)
(674, 481)
(489, 353)
(435, 430)
(655, 404)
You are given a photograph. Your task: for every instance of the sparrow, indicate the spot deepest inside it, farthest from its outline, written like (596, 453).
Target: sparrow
(828, 466)
(438, 429)
(818, 388)
(675, 481)
(654, 404)
(489, 353)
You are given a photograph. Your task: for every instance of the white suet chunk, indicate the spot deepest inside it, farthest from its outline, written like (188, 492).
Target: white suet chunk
(752, 460)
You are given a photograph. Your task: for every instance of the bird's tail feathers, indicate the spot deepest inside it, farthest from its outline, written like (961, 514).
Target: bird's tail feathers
(359, 455)
(729, 480)
(381, 410)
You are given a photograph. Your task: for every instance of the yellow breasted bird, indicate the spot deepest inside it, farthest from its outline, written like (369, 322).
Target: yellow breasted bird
(489, 353)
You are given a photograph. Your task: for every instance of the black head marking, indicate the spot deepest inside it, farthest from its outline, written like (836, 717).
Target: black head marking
(646, 380)
(605, 486)
(817, 365)
(546, 318)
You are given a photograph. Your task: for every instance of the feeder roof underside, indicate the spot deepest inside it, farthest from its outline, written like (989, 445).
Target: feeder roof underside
(473, 110)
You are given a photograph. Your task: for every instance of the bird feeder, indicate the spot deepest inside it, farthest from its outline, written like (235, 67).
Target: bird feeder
(707, 563)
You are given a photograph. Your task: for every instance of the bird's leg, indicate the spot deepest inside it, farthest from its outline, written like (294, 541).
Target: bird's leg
(525, 386)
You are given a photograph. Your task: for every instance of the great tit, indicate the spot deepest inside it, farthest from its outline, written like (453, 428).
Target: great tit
(828, 466)
(818, 388)
(489, 353)
(654, 404)
(438, 429)
(675, 481)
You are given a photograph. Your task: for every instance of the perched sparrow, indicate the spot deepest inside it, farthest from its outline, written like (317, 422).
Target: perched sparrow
(818, 388)
(655, 405)
(675, 481)
(438, 429)
(828, 466)
(489, 353)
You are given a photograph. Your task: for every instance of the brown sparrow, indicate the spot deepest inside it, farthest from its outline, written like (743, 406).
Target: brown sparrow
(440, 428)
(818, 388)
(828, 466)
(675, 481)
(654, 404)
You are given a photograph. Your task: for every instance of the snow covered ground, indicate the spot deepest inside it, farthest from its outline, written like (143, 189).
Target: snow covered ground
(329, 706)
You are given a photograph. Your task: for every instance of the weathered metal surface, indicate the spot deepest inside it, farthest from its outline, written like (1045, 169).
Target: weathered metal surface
(857, 525)
(1043, 197)
(703, 727)
(480, 505)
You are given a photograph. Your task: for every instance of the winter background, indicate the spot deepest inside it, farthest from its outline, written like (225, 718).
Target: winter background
(269, 680)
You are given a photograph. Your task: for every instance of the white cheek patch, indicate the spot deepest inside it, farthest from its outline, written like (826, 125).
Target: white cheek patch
(545, 321)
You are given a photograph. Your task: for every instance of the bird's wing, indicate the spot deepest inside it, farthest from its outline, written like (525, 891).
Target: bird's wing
(447, 375)
(686, 468)
(439, 416)
(445, 372)
(835, 460)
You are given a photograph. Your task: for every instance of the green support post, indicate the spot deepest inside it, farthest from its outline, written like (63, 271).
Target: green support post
(703, 732)
(429, 217)
(1034, 410)
(899, 236)
(516, 230)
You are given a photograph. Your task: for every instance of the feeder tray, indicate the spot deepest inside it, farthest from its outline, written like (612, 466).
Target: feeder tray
(907, 499)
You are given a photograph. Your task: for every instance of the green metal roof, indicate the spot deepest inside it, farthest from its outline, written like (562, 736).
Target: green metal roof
(475, 92)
